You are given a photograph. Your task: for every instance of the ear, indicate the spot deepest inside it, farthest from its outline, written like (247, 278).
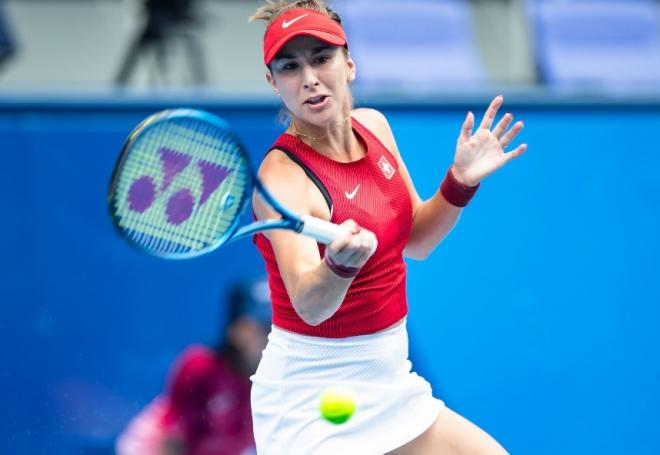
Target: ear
(351, 68)
(271, 82)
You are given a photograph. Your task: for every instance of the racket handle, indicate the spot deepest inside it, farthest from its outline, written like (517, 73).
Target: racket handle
(320, 230)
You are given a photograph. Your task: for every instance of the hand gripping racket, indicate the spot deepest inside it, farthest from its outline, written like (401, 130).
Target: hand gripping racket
(182, 182)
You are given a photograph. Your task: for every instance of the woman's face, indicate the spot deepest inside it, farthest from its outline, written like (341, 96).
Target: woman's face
(249, 338)
(312, 78)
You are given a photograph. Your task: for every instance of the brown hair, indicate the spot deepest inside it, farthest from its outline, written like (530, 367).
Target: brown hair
(270, 10)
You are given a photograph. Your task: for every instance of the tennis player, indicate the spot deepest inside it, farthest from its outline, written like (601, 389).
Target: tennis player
(339, 312)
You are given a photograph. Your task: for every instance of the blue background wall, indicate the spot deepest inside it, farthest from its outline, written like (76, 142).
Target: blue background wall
(538, 318)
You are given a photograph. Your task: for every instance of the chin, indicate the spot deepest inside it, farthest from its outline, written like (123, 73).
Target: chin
(320, 119)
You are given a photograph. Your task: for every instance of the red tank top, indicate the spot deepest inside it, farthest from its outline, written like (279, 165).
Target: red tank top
(371, 192)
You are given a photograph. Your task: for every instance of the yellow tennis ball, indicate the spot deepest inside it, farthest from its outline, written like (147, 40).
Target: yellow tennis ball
(337, 404)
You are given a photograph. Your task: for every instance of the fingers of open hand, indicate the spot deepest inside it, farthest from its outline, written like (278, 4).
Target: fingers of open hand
(511, 134)
(502, 125)
(466, 129)
(491, 112)
(516, 153)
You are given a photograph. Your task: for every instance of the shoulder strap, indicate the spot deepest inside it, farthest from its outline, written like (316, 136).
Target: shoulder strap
(366, 132)
(312, 176)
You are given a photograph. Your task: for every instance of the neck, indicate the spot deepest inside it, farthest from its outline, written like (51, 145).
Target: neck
(337, 141)
(336, 130)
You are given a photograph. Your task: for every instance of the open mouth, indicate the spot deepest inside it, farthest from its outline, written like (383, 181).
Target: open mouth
(316, 100)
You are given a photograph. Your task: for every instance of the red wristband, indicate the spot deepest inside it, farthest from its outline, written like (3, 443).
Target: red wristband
(340, 270)
(455, 192)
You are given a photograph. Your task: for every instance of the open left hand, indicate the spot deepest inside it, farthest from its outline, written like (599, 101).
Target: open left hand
(482, 153)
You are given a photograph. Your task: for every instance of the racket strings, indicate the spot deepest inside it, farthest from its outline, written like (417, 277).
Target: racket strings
(197, 224)
(238, 180)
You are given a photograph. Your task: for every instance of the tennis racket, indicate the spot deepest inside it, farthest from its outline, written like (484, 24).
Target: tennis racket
(182, 182)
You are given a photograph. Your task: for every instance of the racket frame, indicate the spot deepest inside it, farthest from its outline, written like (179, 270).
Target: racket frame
(145, 125)
(288, 221)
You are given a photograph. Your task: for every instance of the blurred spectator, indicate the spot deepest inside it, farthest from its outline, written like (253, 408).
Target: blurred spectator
(205, 408)
(166, 21)
(7, 44)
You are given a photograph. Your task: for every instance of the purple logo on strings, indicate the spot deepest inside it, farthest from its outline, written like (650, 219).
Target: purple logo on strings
(179, 207)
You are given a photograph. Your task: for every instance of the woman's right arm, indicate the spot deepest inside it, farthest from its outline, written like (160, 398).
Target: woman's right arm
(316, 292)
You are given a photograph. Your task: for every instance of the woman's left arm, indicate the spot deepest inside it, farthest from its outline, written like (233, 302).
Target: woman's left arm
(477, 156)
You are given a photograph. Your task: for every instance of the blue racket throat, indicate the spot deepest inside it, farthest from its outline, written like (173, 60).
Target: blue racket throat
(182, 182)
(289, 219)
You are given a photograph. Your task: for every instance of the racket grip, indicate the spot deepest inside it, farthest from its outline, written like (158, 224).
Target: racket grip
(320, 230)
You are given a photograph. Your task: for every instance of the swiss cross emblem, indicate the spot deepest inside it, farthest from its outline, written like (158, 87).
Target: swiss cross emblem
(386, 167)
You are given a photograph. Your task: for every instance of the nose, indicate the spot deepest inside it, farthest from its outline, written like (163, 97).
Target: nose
(309, 77)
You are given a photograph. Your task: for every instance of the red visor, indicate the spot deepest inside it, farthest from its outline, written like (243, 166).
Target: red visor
(300, 21)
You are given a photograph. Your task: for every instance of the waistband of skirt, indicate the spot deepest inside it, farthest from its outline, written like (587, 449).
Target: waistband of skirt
(392, 334)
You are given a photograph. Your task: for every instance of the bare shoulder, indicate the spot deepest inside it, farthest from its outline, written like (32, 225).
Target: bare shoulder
(371, 118)
(377, 123)
(286, 181)
(277, 165)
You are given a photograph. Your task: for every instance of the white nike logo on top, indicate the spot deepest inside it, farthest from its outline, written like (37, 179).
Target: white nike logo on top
(352, 194)
(286, 24)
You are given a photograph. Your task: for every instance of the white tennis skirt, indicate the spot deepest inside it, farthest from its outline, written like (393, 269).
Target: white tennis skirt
(393, 404)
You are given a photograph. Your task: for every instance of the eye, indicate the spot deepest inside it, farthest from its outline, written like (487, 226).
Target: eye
(289, 66)
(322, 59)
